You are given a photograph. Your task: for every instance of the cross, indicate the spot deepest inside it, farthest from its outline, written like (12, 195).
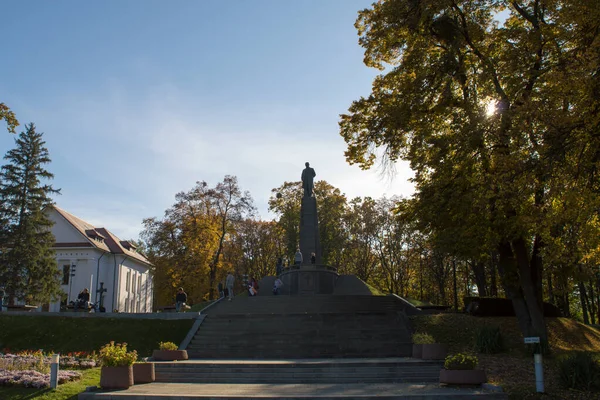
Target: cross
(101, 291)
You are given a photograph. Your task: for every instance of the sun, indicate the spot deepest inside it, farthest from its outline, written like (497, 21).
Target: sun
(490, 108)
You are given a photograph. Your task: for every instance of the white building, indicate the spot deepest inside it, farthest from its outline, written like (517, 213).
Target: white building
(90, 257)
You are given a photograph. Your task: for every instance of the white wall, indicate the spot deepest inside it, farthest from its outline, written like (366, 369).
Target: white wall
(85, 262)
(134, 287)
(63, 231)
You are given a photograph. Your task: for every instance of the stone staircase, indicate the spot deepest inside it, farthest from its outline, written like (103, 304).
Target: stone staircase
(296, 327)
(327, 347)
(394, 370)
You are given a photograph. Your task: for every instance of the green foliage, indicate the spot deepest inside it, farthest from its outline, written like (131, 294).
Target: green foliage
(7, 115)
(27, 264)
(194, 245)
(520, 180)
(461, 361)
(579, 371)
(489, 340)
(167, 346)
(422, 338)
(116, 355)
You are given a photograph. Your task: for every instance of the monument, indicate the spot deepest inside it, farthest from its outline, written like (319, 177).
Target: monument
(309, 278)
(309, 221)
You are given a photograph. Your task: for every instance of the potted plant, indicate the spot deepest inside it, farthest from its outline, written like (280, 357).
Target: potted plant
(168, 352)
(419, 339)
(459, 369)
(143, 372)
(117, 370)
(432, 350)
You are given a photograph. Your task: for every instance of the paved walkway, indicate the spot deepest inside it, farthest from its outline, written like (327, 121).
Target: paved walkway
(185, 391)
(332, 361)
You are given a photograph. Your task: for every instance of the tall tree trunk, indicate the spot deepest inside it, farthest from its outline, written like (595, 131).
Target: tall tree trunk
(592, 305)
(529, 269)
(480, 279)
(454, 281)
(582, 298)
(515, 272)
(493, 274)
(550, 288)
(537, 270)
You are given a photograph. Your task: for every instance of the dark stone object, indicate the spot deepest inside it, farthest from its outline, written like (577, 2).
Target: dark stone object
(434, 351)
(500, 307)
(143, 373)
(116, 377)
(309, 280)
(462, 377)
(417, 351)
(169, 355)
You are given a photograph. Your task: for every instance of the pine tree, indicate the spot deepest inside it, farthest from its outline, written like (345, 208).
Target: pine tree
(27, 266)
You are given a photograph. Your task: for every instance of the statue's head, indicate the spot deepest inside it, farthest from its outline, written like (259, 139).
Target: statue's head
(307, 164)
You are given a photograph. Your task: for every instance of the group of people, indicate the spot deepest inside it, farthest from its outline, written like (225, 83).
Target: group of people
(298, 258)
(227, 289)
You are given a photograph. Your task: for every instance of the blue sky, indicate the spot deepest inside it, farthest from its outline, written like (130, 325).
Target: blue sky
(139, 99)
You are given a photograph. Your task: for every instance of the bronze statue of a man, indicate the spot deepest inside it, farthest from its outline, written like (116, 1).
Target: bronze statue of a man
(307, 180)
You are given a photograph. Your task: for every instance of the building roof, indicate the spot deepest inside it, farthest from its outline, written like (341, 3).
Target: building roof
(100, 238)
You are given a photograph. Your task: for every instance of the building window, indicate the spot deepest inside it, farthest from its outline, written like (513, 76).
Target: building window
(139, 284)
(133, 283)
(66, 274)
(128, 281)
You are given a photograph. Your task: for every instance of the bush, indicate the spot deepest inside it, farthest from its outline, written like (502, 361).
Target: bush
(461, 361)
(579, 371)
(422, 338)
(489, 340)
(116, 355)
(167, 346)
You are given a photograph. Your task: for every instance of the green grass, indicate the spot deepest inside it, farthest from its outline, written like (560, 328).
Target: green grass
(513, 369)
(374, 290)
(70, 390)
(64, 334)
(199, 306)
(417, 303)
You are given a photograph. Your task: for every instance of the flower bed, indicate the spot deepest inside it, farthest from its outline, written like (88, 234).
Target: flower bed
(32, 368)
(34, 379)
(39, 361)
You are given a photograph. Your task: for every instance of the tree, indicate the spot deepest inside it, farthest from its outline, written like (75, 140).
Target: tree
(186, 247)
(285, 202)
(255, 247)
(230, 206)
(448, 63)
(9, 117)
(27, 264)
(332, 206)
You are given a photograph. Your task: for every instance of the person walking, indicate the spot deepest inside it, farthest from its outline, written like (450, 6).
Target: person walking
(298, 257)
(180, 300)
(277, 286)
(220, 289)
(313, 258)
(229, 285)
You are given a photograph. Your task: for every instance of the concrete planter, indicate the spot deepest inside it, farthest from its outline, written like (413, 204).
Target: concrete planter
(143, 373)
(169, 355)
(417, 351)
(463, 377)
(435, 351)
(116, 377)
